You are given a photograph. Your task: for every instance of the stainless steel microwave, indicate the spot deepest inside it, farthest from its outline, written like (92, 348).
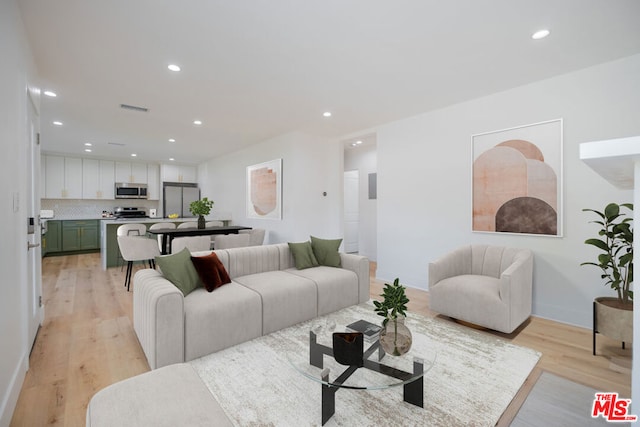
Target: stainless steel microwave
(126, 190)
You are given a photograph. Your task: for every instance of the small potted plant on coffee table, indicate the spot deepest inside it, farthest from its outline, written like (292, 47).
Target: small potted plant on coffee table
(201, 208)
(395, 337)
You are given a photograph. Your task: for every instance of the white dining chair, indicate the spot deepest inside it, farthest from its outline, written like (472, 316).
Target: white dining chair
(159, 226)
(129, 230)
(137, 248)
(189, 224)
(210, 224)
(228, 241)
(256, 236)
(132, 230)
(193, 243)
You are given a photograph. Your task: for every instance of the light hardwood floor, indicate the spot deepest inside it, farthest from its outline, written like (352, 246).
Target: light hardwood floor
(87, 342)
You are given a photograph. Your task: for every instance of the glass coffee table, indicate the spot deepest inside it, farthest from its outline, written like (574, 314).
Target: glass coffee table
(378, 370)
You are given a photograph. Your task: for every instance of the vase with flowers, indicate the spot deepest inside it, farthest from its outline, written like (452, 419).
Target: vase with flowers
(201, 208)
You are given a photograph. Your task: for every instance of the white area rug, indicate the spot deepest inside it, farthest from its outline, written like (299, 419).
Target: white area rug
(474, 378)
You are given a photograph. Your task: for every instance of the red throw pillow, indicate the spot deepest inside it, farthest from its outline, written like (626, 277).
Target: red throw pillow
(211, 271)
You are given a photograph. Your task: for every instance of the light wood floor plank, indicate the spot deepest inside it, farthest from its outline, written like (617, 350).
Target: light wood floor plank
(87, 342)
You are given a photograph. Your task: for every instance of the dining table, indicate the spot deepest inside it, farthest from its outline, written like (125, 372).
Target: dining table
(168, 234)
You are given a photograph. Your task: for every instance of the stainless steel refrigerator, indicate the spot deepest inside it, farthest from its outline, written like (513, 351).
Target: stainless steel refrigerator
(177, 197)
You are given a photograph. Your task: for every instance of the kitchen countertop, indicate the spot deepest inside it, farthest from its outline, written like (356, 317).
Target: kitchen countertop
(146, 220)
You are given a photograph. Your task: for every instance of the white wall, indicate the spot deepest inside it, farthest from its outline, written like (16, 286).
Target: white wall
(310, 166)
(424, 181)
(364, 160)
(16, 71)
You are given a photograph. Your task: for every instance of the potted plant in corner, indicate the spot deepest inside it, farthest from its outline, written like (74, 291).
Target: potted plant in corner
(200, 208)
(395, 337)
(613, 316)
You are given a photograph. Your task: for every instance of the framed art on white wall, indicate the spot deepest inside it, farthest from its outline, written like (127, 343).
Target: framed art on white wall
(264, 190)
(517, 180)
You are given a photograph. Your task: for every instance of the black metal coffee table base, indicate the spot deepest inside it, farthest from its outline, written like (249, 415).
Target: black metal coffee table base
(413, 390)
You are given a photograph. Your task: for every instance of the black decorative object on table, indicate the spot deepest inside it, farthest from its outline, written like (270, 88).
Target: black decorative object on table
(348, 348)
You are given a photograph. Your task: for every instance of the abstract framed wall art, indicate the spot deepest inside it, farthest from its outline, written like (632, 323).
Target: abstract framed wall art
(264, 190)
(517, 180)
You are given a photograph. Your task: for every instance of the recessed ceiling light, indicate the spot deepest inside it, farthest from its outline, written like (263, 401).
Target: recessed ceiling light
(88, 144)
(358, 142)
(174, 67)
(327, 114)
(171, 159)
(57, 123)
(353, 144)
(88, 150)
(133, 154)
(49, 93)
(540, 34)
(172, 140)
(197, 122)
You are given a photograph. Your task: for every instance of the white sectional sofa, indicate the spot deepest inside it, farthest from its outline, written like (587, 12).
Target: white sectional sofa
(267, 293)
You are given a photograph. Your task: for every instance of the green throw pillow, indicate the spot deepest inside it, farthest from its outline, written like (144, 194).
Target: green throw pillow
(179, 270)
(326, 251)
(303, 255)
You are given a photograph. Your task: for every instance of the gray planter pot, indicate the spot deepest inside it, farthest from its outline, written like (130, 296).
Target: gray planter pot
(613, 322)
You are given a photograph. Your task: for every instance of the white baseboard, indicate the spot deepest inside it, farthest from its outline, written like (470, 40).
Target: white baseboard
(12, 392)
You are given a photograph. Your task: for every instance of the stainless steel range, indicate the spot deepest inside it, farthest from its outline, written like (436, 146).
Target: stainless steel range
(129, 213)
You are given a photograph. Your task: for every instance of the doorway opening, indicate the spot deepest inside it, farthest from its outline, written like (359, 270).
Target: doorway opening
(360, 196)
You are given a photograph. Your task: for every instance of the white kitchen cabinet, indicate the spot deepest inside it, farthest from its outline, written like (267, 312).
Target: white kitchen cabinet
(139, 173)
(107, 179)
(54, 177)
(153, 182)
(90, 178)
(63, 177)
(98, 178)
(73, 177)
(131, 172)
(188, 174)
(176, 173)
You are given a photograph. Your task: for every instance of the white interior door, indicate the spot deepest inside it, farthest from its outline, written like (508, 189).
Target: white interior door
(34, 236)
(351, 211)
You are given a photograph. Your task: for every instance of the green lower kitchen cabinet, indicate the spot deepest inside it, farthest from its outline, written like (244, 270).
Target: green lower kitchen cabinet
(79, 235)
(52, 239)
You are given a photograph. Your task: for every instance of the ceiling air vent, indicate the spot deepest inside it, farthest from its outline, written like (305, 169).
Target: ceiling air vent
(119, 144)
(134, 108)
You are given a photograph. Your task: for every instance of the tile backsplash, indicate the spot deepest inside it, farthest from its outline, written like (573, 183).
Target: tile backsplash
(85, 209)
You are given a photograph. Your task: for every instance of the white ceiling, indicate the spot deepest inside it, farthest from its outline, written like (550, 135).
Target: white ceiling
(252, 70)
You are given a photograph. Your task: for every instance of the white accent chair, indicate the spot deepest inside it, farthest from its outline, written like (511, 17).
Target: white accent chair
(137, 248)
(228, 241)
(160, 226)
(485, 285)
(256, 236)
(193, 243)
(189, 224)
